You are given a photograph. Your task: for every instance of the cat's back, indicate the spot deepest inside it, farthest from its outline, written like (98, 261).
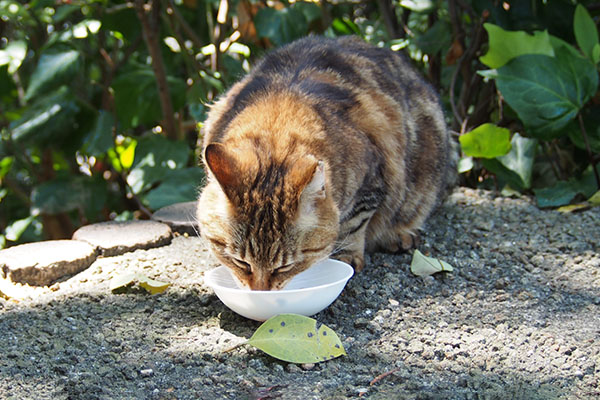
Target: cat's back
(333, 76)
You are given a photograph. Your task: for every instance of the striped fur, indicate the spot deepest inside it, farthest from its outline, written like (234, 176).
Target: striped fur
(328, 145)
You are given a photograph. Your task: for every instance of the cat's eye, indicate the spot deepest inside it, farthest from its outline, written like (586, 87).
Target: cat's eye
(284, 268)
(243, 265)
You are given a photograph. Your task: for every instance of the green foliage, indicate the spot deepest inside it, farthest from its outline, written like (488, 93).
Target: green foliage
(87, 135)
(549, 85)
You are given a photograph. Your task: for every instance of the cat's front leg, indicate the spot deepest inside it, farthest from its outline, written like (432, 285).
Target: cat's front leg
(350, 247)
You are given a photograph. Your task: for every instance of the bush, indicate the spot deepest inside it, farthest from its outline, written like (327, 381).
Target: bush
(101, 101)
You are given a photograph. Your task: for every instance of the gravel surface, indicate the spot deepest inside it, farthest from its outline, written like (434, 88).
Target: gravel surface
(519, 318)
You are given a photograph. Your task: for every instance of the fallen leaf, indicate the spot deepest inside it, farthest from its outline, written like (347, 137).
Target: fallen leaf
(121, 282)
(422, 265)
(573, 207)
(153, 286)
(297, 339)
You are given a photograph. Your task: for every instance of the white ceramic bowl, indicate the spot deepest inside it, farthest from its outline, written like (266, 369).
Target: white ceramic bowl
(307, 293)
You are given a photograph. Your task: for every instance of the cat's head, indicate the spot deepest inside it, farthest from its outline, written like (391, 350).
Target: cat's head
(266, 218)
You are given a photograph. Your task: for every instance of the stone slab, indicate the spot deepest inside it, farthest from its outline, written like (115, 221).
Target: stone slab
(181, 217)
(113, 238)
(43, 263)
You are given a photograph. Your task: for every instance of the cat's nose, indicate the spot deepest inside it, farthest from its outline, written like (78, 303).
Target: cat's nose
(261, 282)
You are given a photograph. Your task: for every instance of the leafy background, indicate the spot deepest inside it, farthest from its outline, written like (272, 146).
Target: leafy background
(102, 102)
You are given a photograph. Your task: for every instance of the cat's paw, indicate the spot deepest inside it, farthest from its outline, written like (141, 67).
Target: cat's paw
(409, 241)
(356, 260)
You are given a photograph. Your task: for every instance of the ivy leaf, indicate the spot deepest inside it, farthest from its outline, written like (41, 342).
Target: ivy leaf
(422, 265)
(563, 192)
(486, 141)
(297, 339)
(586, 33)
(547, 92)
(520, 158)
(506, 45)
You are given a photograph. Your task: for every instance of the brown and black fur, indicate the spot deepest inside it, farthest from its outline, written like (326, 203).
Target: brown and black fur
(327, 145)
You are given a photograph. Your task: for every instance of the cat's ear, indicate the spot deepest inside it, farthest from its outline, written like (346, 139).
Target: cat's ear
(308, 178)
(223, 165)
(316, 186)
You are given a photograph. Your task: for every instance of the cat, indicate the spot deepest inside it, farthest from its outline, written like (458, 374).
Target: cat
(328, 147)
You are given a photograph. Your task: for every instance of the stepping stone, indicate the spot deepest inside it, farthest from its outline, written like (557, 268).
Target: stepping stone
(113, 238)
(43, 263)
(181, 217)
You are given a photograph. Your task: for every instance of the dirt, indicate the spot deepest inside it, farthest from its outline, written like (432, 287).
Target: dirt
(518, 318)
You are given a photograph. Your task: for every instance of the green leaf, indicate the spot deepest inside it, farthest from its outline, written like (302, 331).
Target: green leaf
(179, 185)
(124, 21)
(520, 158)
(506, 45)
(100, 137)
(465, 164)
(558, 195)
(69, 193)
(6, 164)
(419, 6)
(297, 339)
(421, 265)
(486, 141)
(436, 38)
(48, 120)
(547, 92)
(13, 55)
(596, 53)
(310, 10)
(564, 191)
(136, 97)
(586, 32)
(345, 26)
(14, 231)
(280, 26)
(57, 66)
(154, 157)
(8, 88)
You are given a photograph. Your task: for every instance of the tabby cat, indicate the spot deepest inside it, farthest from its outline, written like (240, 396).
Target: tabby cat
(328, 147)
